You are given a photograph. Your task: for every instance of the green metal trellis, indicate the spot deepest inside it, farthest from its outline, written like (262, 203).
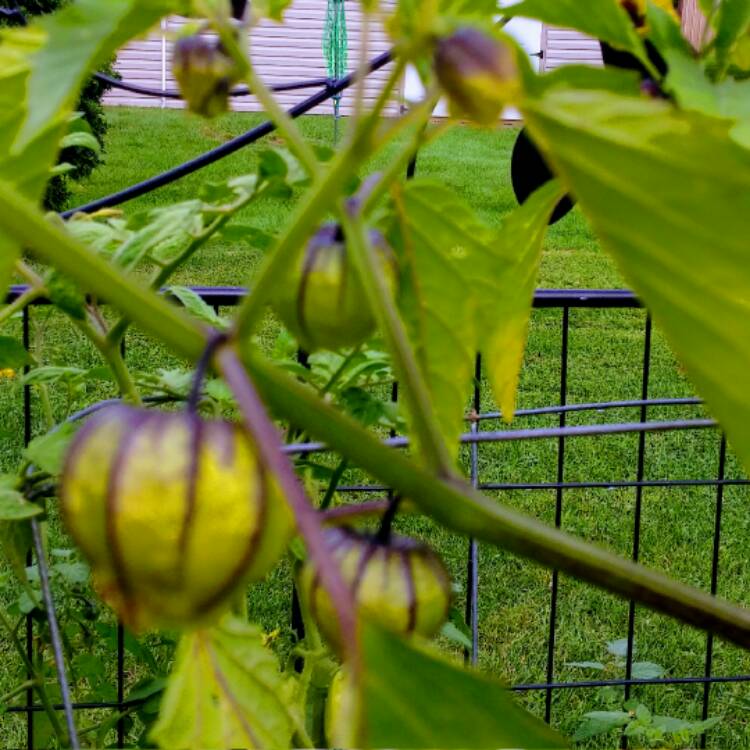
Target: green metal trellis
(335, 50)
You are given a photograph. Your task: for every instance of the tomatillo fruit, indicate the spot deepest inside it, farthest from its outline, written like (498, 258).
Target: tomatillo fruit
(174, 513)
(401, 585)
(325, 306)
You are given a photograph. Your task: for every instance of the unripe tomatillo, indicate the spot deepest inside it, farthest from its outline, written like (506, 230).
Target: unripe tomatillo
(205, 74)
(173, 512)
(325, 306)
(400, 584)
(478, 72)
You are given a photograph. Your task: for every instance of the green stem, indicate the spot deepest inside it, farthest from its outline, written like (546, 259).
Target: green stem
(318, 201)
(380, 299)
(454, 504)
(339, 371)
(49, 417)
(397, 166)
(29, 296)
(37, 680)
(338, 472)
(119, 329)
(110, 351)
(285, 124)
(17, 691)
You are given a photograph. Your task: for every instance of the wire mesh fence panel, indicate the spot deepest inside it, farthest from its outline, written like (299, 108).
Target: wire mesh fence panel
(608, 444)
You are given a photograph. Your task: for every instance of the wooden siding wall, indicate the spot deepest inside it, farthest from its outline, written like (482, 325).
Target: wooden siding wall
(565, 46)
(282, 54)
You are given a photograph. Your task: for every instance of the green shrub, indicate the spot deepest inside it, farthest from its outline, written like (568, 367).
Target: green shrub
(83, 160)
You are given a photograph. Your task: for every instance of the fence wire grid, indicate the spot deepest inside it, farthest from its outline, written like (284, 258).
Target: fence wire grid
(475, 438)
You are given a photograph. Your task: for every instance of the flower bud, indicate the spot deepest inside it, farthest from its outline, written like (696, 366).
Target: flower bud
(401, 585)
(325, 306)
(479, 73)
(205, 74)
(174, 513)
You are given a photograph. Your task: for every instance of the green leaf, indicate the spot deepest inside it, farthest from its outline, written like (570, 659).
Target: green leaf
(619, 647)
(195, 305)
(103, 236)
(79, 38)
(668, 194)
(597, 665)
(65, 295)
(53, 374)
(600, 722)
(15, 537)
(248, 235)
(730, 99)
(273, 9)
(81, 139)
(511, 270)
(466, 286)
(14, 507)
(647, 670)
(413, 698)
(47, 452)
(166, 234)
(439, 238)
(72, 572)
(13, 354)
(732, 22)
(42, 69)
(226, 690)
(456, 635)
(602, 19)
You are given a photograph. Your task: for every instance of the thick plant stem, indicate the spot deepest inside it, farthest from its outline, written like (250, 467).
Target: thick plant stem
(29, 296)
(458, 506)
(380, 299)
(453, 503)
(269, 442)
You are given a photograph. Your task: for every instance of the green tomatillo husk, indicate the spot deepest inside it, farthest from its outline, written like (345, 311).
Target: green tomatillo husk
(173, 512)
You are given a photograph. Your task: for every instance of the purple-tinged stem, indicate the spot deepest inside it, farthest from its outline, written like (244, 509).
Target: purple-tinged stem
(269, 443)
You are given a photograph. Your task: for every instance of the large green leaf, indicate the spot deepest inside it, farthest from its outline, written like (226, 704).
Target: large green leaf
(439, 237)
(467, 287)
(413, 698)
(226, 690)
(730, 99)
(508, 274)
(732, 22)
(42, 69)
(668, 193)
(602, 19)
(79, 38)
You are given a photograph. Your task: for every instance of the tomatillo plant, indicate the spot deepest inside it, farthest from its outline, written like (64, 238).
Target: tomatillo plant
(177, 513)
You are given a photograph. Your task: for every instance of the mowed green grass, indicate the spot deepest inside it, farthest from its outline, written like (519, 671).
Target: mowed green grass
(606, 350)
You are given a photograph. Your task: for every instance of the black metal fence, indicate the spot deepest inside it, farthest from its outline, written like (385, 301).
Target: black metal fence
(564, 301)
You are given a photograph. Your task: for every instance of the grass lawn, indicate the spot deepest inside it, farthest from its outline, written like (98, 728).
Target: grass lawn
(604, 364)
